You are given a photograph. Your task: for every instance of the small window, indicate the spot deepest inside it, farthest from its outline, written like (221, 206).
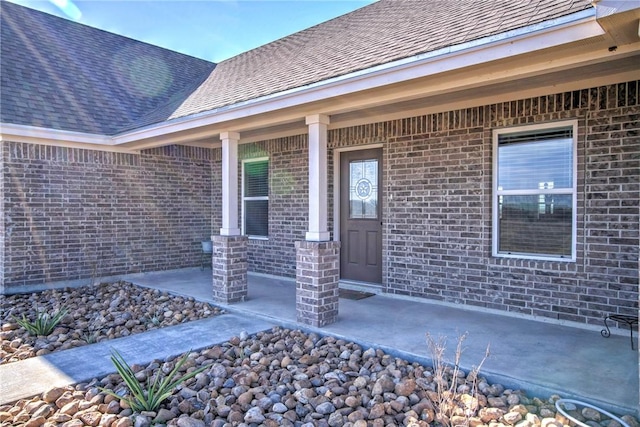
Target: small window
(535, 192)
(255, 198)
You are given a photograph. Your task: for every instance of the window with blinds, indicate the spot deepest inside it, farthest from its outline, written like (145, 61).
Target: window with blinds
(255, 198)
(534, 192)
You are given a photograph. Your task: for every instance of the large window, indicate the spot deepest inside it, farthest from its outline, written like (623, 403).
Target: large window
(255, 198)
(534, 198)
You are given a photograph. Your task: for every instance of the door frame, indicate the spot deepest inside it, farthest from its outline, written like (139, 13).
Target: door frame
(336, 191)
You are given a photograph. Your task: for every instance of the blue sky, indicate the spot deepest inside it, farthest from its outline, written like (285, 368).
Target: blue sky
(210, 29)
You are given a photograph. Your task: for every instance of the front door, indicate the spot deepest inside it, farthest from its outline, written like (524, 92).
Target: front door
(361, 215)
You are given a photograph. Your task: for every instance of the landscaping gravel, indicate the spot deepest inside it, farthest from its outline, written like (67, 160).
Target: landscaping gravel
(289, 378)
(95, 313)
(279, 377)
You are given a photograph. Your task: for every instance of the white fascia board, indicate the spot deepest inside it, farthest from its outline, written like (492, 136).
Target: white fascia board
(560, 31)
(9, 131)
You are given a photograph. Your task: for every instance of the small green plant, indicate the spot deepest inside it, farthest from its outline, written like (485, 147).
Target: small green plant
(93, 329)
(90, 337)
(155, 391)
(44, 324)
(154, 319)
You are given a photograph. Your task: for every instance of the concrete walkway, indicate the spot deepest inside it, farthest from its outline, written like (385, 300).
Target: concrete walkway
(35, 375)
(539, 357)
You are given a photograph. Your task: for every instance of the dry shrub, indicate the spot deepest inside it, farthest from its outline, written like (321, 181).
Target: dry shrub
(456, 396)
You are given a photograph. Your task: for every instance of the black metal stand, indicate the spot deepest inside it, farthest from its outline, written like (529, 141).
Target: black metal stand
(629, 320)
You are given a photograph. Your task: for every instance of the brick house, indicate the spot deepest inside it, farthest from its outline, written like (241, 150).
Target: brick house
(476, 153)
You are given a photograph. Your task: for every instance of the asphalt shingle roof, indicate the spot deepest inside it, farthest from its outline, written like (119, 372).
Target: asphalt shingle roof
(63, 75)
(59, 74)
(382, 32)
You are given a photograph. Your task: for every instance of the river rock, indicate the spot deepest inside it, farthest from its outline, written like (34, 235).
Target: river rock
(277, 377)
(382, 385)
(512, 417)
(325, 408)
(189, 422)
(53, 394)
(591, 414)
(129, 309)
(254, 415)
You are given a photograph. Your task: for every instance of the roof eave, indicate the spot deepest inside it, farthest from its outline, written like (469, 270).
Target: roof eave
(564, 30)
(560, 31)
(47, 136)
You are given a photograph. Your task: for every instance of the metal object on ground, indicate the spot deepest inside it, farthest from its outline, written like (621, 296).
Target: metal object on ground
(629, 320)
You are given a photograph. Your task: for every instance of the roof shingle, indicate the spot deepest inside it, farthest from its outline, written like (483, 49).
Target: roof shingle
(56, 73)
(63, 75)
(379, 33)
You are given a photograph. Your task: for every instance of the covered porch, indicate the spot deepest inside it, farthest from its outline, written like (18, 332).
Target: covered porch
(539, 357)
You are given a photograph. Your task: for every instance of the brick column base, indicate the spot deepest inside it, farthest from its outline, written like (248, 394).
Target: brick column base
(229, 266)
(317, 277)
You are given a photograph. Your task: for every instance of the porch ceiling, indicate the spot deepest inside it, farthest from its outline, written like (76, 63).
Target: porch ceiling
(590, 75)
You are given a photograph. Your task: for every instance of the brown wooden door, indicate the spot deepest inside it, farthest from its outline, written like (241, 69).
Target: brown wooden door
(361, 215)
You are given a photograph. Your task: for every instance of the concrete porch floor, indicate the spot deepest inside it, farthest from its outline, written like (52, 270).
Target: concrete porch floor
(538, 357)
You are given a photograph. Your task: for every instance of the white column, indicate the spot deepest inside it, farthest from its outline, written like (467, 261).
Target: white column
(230, 184)
(318, 124)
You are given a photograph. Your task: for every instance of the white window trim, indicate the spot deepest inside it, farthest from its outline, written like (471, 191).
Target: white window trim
(573, 191)
(253, 160)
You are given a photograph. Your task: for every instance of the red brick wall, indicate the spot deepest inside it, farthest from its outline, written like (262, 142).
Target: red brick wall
(74, 214)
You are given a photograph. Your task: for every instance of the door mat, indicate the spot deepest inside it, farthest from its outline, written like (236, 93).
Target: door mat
(354, 295)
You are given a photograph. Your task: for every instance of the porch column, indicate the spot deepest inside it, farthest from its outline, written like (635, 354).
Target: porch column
(317, 258)
(318, 207)
(229, 257)
(230, 184)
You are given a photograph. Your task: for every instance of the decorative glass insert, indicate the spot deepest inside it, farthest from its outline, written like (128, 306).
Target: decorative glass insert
(363, 189)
